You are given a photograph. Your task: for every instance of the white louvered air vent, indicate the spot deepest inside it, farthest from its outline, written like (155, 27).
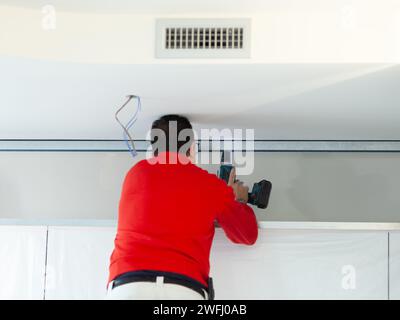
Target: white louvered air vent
(203, 38)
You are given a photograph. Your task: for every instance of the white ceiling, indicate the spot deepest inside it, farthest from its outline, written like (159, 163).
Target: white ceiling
(46, 99)
(189, 6)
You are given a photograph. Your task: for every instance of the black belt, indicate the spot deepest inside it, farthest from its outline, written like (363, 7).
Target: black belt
(169, 277)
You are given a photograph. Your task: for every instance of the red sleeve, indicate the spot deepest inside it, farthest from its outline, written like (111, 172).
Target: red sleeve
(237, 219)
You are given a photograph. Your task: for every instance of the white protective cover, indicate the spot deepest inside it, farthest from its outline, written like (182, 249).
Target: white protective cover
(77, 262)
(284, 264)
(394, 260)
(303, 264)
(22, 262)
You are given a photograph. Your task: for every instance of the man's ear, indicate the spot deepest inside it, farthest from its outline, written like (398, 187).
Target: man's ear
(192, 152)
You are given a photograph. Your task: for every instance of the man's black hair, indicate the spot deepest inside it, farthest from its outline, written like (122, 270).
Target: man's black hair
(176, 124)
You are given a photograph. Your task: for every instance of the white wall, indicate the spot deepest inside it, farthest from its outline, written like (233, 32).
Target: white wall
(306, 186)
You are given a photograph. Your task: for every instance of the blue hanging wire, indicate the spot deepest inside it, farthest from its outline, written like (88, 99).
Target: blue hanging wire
(130, 123)
(127, 137)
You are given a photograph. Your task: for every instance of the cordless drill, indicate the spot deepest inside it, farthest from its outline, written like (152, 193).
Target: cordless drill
(260, 193)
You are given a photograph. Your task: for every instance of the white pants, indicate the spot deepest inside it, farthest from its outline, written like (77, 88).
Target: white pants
(152, 291)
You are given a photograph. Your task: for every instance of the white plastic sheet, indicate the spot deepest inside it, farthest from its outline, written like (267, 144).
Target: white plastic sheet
(22, 262)
(77, 262)
(394, 263)
(303, 264)
(284, 264)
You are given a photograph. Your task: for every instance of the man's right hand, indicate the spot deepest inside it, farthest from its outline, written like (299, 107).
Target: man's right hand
(239, 189)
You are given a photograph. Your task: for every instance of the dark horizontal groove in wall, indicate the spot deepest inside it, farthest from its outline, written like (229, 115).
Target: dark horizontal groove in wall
(100, 145)
(255, 151)
(256, 140)
(65, 150)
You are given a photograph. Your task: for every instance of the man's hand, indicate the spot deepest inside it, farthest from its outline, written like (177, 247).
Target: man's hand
(239, 189)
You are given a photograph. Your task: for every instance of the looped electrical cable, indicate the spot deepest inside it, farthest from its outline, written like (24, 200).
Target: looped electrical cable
(127, 137)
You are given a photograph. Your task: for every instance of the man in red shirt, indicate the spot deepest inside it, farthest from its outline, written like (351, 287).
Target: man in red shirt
(167, 214)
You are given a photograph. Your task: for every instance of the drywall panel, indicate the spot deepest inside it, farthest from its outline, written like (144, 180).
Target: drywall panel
(62, 185)
(336, 187)
(22, 266)
(394, 263)
(278, 101)
(78, 261)
(296, 264)
(358, 187)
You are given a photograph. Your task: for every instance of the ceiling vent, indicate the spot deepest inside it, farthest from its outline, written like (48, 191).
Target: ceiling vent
(203, 38)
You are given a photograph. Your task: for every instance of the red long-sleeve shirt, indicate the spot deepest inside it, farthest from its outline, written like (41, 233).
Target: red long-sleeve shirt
(166, 219)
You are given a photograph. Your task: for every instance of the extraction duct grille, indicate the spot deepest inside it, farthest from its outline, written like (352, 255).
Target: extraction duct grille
(203, 38)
